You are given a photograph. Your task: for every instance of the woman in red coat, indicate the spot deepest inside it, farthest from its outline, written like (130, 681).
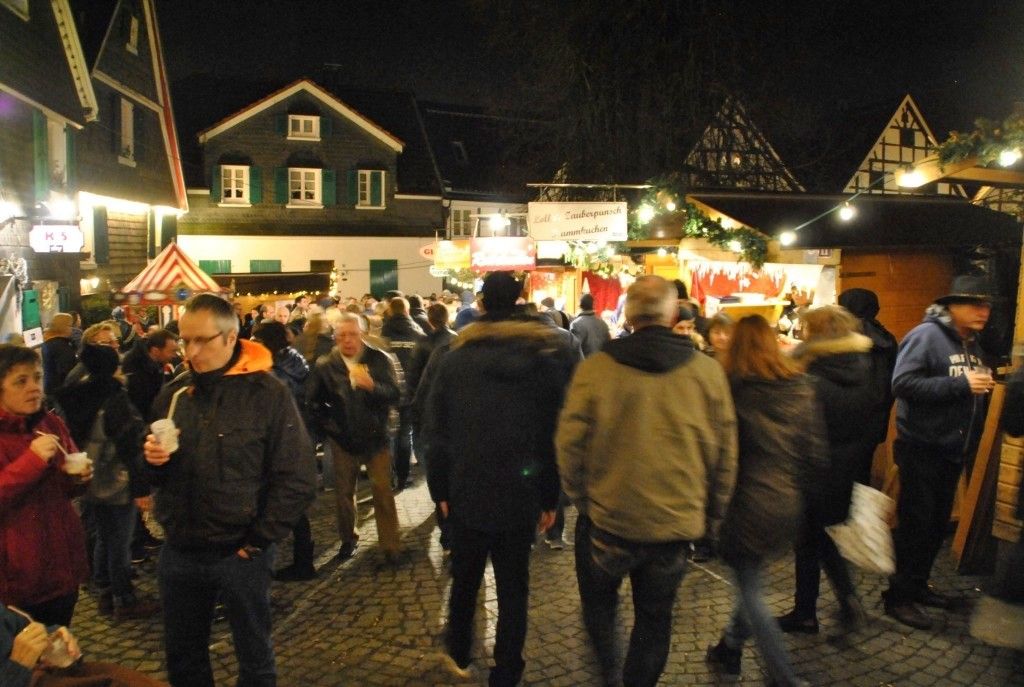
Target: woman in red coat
(42, 543)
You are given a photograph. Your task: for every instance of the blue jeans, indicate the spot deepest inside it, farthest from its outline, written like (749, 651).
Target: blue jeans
(190, 584)
(112, 555)
(752, 617)
(655, 571)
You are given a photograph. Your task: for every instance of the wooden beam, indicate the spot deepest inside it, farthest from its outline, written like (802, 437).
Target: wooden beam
(930, 170)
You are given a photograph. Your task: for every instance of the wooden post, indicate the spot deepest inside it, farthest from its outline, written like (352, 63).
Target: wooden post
(969, 505)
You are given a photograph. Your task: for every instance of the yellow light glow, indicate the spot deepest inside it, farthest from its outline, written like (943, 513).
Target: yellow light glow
(61, 207)
(847, 212)
(112, 204)
(726, 222)
(909, 178)
(670, 206)
(645, 214)
(662, 252)
(787, 238)
(1009, 157)
(735, 246)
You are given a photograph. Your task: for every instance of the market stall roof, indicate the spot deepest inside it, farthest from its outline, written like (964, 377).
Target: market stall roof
(171, 278)
(880, 221)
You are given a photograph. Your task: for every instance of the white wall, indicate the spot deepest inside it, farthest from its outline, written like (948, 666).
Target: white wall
(350, 254)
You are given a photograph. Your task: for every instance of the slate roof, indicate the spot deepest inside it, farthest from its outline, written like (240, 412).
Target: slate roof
(881, 221)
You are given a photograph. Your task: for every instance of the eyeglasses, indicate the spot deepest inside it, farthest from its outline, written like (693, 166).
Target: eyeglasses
(199, 341)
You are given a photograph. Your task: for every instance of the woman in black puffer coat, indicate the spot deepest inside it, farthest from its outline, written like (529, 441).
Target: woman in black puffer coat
(839, 360)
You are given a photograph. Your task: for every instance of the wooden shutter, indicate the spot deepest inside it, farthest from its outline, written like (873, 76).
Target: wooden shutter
(215, 183)
(330, 188)
(255, 185)
(281, 124)
(100, 237)
(138, 131)
(326, 127)
(281, 185)
(168, 230)
(215, 266)
(376, 189)
(40, 142)
(70, 142)
(263, 266)
(353, 187)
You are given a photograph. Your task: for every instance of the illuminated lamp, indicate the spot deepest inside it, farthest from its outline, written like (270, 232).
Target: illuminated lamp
(645, 214)
(735, 246)
(909, 178)
(1009, 157)
(847, 212)
(787, 238)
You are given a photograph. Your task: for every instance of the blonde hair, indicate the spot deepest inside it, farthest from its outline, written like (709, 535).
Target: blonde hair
(90, 334)
(829, 322)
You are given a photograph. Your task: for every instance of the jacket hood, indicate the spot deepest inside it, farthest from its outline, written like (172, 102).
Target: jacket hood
(527, 336)
(252, 358)
(879, 335)
(937, 313)
(651, 349)
(842, 361)
(809, 351)
(861, 302)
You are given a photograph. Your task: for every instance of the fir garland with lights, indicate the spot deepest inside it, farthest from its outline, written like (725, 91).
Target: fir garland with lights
(664, 201)
(991, 141)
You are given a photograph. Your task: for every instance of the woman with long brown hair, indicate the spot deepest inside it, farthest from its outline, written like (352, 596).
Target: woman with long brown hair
(781, 447)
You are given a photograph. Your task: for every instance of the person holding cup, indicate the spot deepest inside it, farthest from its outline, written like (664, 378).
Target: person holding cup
(42, 542)
(942, 396)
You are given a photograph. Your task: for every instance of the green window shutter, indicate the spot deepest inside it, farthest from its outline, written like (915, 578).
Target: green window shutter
(169, 232)
(330, 190)
(326, 127)
(115, 123)
(255, 185)
(383, 277)
(70, 142)
(376, 189)
(100, 238)
(281, 124)
(215, 266)
(138, 130)
(281, 185)
(353, 187)
(264, 265)
(215, 183)
(30, 309)
(42, 155)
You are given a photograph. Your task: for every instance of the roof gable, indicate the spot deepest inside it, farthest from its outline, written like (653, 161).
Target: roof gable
(732, 152)
(304, 86)
(905, 139)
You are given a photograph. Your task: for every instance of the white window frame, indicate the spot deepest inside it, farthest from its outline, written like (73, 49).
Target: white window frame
(133, 36)
(317, 201)
(127, 154)
(462, 222)
(239, 186)
(19, 7)
(302, 132)
(364, 193)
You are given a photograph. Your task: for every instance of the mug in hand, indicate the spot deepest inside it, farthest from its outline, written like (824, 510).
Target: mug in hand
(166, 434)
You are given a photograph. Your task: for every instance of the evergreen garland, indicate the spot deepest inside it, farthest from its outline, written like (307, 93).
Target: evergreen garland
(988, 140)
(668, 191)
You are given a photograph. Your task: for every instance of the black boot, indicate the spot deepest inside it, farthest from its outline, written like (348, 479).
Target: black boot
(724, 659)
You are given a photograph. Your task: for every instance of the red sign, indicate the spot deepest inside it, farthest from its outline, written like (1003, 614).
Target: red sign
(503, 254)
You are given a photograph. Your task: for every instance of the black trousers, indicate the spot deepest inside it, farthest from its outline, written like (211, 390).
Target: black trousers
(815, 551)
(928, 480)
(510, 556)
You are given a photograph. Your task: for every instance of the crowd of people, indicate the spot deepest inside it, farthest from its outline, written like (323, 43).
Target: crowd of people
(676, 437)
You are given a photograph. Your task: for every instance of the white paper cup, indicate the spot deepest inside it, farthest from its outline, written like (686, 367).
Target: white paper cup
(76, 463)
(56, 654)
(166, 434)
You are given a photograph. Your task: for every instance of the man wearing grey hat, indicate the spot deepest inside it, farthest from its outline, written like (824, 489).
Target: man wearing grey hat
(941, 388)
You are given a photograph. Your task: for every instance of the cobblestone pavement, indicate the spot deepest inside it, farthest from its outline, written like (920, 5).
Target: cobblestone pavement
(363, 622)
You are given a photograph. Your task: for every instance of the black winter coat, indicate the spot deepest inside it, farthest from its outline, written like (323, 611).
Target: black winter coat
(782, 457)
(841, 369)
(357, 419)
(490, 423)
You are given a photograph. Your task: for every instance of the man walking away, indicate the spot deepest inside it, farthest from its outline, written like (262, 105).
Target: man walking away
(350, 393)
(242, 474)
(941, 402)
(402, 335)
(590, 329)
(647, 452)
(490, 422)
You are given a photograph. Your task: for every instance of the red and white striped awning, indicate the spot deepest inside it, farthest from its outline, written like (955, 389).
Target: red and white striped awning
(170, 270)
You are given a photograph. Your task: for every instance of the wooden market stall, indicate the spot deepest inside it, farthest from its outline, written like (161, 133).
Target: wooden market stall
(170, 280)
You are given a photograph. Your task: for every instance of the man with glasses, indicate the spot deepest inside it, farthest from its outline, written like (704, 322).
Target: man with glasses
(242, 474)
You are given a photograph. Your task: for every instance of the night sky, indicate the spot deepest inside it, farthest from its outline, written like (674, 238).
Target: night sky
(960, 60)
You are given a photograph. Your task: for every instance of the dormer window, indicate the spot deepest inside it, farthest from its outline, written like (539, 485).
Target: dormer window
(133, 36)
(304, 127)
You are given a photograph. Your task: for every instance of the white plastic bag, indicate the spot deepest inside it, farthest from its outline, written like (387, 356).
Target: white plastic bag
(865, 539)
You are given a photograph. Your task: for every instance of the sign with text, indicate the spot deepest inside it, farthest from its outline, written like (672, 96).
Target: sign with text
(577, 221)
(56, 238)
(452, 255)
(503, 253)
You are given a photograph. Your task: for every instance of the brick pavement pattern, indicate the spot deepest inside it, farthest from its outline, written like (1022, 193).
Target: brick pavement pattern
(363, 622)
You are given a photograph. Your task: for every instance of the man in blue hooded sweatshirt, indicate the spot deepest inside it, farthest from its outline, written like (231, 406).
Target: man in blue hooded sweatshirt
(941, 399)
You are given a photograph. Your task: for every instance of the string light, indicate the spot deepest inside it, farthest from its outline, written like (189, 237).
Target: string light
(847, 212)
(645, 213)
(1009, 157)
(735, 246)
(787, 238)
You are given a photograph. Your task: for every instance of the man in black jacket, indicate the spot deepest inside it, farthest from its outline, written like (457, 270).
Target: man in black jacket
(349, 395)
(148, 367)
(402, 335)
(490, 422)
(242, 474)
